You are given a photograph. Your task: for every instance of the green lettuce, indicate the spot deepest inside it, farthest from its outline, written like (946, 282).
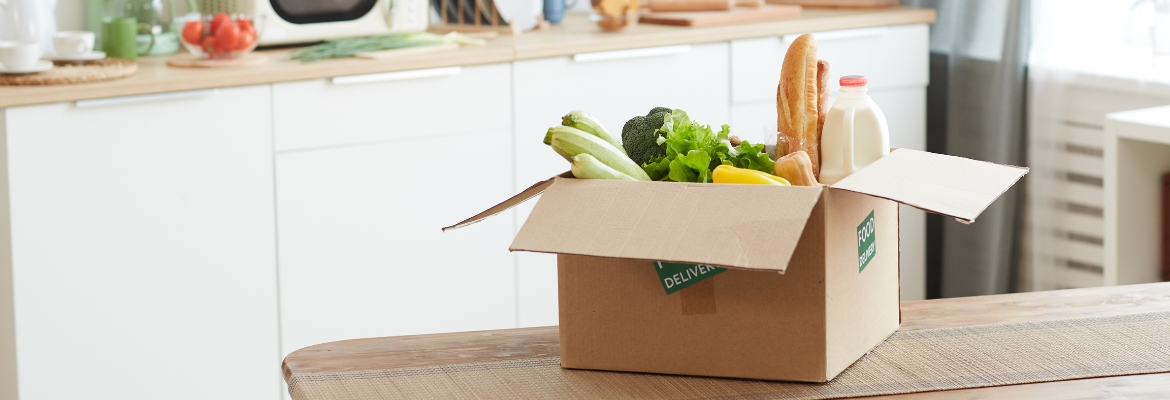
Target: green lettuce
(694, 150)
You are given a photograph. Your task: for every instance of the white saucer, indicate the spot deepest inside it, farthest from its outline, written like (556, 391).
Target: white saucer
(93, 55)
(40, 66)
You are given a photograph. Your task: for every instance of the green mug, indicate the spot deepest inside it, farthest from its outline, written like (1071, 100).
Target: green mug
(120, 38)
(145, 41)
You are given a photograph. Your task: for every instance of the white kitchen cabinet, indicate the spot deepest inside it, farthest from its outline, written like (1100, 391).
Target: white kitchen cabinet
(143, 247)
(360, 248)
(391, 106)
(614, 87)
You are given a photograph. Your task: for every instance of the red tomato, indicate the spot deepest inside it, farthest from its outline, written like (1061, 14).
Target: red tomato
(207, 44)
(227, 37)
(246, 39)
(245, 25)
(248, 34)
(193, 32)
(219, 20)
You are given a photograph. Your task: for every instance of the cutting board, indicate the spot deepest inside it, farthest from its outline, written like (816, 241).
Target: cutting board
(388, 54)
(193, 61)
(738, 15)
(839, 3)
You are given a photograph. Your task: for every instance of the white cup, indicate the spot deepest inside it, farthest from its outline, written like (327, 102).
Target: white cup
(19, 55)
(73, 43)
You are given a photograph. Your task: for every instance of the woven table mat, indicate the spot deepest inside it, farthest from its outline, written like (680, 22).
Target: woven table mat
(907, 362)
(106, 69)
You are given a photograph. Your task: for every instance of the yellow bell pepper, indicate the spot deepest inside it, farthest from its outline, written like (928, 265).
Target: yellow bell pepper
(730, 174)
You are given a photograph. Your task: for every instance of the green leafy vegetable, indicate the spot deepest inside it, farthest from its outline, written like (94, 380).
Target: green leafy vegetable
(693, 151)
(349, 47)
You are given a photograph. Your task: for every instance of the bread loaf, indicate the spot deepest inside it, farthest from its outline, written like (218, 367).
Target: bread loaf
(796, 168)
(797, 99)
(823, 103)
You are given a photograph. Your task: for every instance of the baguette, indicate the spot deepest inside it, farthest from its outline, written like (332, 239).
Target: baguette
(797, 98)
(823, 103)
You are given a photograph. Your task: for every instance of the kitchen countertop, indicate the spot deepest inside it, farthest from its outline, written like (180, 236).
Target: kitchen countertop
(576, 34)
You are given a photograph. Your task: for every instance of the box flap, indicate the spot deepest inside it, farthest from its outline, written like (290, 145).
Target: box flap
(521, 197)
(737, 226)
(954, 186)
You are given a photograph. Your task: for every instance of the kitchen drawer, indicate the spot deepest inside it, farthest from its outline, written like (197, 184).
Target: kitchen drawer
(614, 87)
(890, 56)
(391, 106)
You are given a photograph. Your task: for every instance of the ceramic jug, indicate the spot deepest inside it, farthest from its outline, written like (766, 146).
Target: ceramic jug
(855, 132)
(29, 21)
(156, 24)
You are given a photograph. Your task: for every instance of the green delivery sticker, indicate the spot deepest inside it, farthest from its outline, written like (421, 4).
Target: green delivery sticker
(677, 276)
(866, 242)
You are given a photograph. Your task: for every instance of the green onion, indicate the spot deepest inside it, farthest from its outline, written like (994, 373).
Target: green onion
(349, 47)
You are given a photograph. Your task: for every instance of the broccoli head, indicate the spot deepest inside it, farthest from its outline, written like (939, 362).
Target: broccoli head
(640, 135)
(657, 110)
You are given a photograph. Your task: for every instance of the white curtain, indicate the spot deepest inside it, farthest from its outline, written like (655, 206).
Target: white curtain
(976, 95)
(1088, 58)
(985, 118)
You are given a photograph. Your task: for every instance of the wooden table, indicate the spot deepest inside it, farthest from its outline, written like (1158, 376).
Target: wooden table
(467, 347)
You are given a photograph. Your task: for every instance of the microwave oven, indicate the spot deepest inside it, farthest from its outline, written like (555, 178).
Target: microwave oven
(302, 21)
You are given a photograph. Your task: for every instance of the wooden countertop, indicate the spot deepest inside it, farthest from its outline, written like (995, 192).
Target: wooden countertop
(468, 347)
(576, 34)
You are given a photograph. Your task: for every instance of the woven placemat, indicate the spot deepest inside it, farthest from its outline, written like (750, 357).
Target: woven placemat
(907, 362)
(102, 70)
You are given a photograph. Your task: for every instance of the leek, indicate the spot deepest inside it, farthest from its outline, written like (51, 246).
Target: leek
(341, 48)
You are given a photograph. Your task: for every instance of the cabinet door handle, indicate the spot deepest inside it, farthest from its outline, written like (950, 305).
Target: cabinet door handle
(396, 76)
(841, 35)
(632, 53)
(144, 98)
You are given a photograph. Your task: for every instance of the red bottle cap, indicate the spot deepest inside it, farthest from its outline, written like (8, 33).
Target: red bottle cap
(853, 80)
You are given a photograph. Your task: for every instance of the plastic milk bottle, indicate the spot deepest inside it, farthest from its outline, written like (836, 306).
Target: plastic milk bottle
(855, 132)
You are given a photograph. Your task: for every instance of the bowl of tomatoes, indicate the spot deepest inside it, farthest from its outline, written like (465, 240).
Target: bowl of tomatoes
(222, 35)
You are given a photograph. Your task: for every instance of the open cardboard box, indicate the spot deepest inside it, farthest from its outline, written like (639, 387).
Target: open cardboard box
(811, 278)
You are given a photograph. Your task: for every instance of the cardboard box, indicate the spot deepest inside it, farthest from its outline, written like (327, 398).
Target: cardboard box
(807, 277)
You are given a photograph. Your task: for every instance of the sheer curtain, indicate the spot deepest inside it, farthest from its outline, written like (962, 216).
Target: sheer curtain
(1029, 83)
(976, 110)
(1088, 58)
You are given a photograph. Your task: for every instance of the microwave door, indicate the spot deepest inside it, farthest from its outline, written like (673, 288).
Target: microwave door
(321, 11)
